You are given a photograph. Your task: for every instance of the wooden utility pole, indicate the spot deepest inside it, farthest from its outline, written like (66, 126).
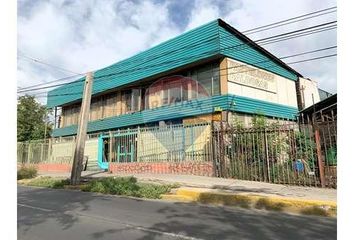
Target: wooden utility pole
(81, 131)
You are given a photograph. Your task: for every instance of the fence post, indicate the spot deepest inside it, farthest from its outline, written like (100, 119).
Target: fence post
(110, 147)
(267, 154)
(42, 148)
(319, 158)
(28, 153)
(222, 165)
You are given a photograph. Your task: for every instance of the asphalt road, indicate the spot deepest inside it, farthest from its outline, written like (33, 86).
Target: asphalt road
(72, 215)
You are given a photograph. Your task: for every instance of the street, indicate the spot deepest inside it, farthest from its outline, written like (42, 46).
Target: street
(67, 214)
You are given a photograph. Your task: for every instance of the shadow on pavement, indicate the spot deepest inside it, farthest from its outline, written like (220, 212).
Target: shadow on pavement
(193, 220)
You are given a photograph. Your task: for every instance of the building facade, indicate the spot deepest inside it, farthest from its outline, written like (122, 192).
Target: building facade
(211, 73)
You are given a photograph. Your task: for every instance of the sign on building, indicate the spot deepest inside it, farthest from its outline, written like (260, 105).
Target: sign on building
(252, 77)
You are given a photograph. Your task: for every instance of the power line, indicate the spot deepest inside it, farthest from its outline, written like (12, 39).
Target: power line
(268, 38)
(57, 80)
(239, 66)
(290, 19)
(268, 26)
(45, 63)
(312, 59)
(261, 30)
(99, 78)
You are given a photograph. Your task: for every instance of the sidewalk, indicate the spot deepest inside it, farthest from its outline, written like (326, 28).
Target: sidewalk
(220, 185)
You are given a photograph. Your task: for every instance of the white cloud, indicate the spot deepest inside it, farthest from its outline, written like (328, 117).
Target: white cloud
(87, 35)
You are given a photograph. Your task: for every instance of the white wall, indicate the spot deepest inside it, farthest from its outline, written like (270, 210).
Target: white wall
(248, 81)
(309, 92)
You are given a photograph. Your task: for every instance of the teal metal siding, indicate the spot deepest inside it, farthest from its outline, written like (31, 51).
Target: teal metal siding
(249, 55)
(186, 109)
(254, 106)
(189, 47)
(204, 42)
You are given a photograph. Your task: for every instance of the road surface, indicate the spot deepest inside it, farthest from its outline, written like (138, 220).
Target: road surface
(50, 214)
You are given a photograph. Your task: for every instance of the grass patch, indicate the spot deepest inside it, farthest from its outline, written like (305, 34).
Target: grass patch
(26, 173)
(47, 182)
(223, 199)
(264, 203)
(315, 210)
(127, 186)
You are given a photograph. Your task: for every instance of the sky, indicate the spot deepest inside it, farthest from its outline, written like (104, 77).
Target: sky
(82, 36)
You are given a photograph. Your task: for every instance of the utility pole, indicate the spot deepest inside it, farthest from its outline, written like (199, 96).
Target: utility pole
(81, 131)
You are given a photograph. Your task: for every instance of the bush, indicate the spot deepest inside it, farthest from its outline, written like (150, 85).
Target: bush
(127, 186)
(48, 182)
(26, 173)
(154, 191)
(119, 186)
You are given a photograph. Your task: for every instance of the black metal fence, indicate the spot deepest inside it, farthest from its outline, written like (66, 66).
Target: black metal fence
(285, 154)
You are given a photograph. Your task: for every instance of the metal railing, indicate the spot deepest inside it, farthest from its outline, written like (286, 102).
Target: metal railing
(298, 154)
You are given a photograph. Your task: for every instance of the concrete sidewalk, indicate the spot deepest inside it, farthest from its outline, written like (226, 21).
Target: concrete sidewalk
(221, 185)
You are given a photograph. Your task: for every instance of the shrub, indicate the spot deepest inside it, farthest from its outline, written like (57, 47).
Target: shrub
(127, 186)
(147, 190)
(26, 173)
(120, 186)
(48, 182)
(264, 203)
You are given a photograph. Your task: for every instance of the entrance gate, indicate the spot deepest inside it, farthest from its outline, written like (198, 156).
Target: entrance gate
(118, 147)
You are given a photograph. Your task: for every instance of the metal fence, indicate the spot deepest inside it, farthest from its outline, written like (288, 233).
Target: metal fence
(285, 154)
(33, 152)
(172, 143)
(297, 154)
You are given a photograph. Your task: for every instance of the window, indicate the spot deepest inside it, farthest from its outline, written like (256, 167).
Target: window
(131, 100)
(95, 109)
(110, 105)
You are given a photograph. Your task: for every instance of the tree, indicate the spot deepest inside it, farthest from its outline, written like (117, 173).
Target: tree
(31, 119)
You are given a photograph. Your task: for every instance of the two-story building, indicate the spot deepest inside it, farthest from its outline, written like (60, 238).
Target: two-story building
(211, 73)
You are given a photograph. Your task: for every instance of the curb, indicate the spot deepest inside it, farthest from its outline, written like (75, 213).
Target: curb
(279, 204)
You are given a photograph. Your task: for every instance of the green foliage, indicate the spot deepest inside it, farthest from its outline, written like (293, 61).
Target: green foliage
(48, 182)
(153, 191)
(26, 173)
(306, 148)
(315, 211)
(119, 186)
(238, 124)
(265, 203)
(127, 186)
(331, 156)
(259, 121)
(31, 117)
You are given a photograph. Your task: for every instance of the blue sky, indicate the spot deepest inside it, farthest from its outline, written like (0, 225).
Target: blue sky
(88, 35)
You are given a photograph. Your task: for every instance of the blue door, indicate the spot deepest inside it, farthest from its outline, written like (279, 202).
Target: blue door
(102, 159)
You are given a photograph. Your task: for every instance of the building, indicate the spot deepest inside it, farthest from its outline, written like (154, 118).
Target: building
(211, 73)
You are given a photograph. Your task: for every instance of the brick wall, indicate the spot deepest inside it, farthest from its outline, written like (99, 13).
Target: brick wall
(50, 167)
(193, 168)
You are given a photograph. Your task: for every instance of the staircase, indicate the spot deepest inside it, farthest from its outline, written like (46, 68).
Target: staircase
(92, 165)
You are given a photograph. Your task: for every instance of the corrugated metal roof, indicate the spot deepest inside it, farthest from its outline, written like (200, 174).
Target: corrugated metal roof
(201, 43)
(186, 109)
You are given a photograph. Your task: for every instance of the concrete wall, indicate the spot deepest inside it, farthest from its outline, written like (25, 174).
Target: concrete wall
(62, 152)
(308, 92)
(246, 119)
(248, 81)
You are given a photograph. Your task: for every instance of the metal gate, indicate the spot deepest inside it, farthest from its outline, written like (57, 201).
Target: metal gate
(117, 147)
